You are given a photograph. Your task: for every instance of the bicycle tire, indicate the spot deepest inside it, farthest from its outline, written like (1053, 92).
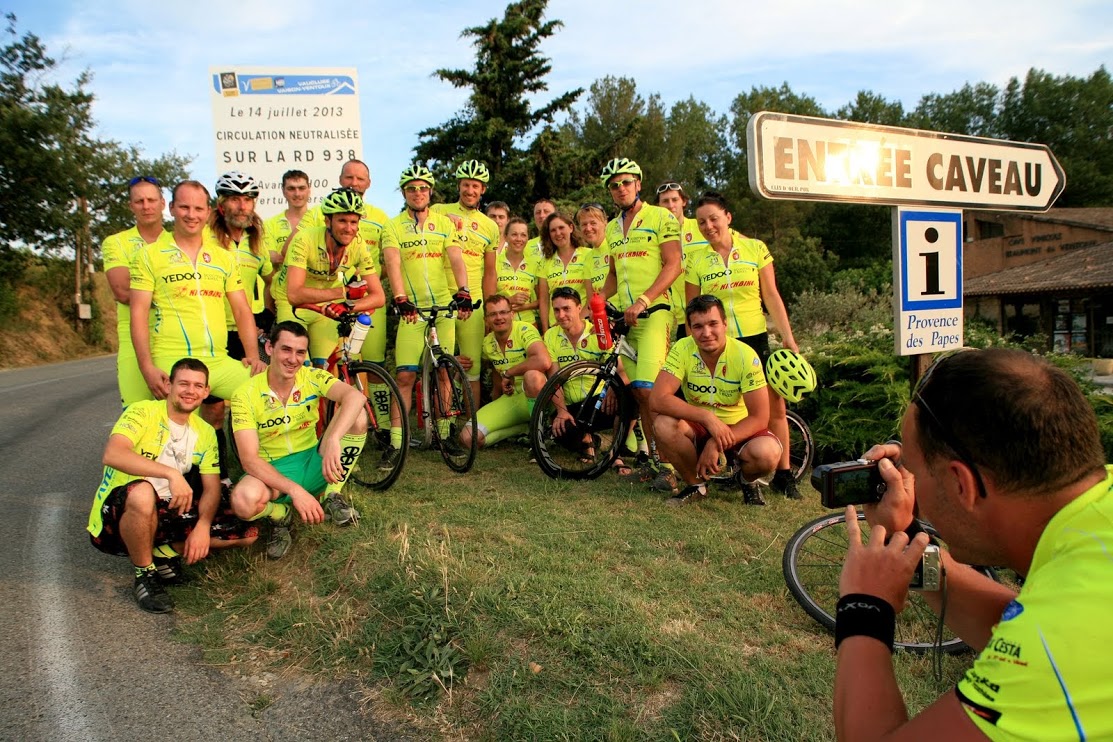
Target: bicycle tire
(458, 412)
(377, 469)
(560, 460)
(812, 563)
(801, 449)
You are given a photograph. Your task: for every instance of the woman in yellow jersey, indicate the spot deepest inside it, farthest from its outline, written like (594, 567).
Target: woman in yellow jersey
(566, 263)
(671, 196)
(516, 275)
(739, 271)
(592, 220)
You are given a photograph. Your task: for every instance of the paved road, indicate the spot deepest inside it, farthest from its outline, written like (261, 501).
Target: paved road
(81, 662)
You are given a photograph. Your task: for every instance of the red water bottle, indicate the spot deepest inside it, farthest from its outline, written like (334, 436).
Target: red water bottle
(600, 321)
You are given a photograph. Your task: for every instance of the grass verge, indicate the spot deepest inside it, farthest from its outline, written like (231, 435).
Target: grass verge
(503, 605)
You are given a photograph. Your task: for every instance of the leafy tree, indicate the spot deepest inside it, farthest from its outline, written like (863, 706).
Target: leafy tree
(1073, 116)
(970, 110)
(871, 108)
(508, 71)
(52, 160)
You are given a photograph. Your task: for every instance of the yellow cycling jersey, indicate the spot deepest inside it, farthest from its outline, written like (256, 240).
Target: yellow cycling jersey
(187, 298)
(480, 236)
(119, 251)
(534, 250)
(576, 273)
(600, 265)
(563, 351)
(1044, 675)
(424, 256)
(637, 253)
(720, 389)
(513, 279)
(283, 427)
(147, 425)
(252, 268)
(690, 241)
(734, 280)
(276, 231)
(522, 336)
(371, 225)
(309, 251)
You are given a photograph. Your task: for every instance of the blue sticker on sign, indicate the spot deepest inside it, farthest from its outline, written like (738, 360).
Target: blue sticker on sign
(1012, 610)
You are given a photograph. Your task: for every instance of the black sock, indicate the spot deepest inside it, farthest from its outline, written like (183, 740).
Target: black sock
(222, 448)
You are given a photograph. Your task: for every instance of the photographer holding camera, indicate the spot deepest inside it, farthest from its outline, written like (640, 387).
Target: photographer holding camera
(1002, 455)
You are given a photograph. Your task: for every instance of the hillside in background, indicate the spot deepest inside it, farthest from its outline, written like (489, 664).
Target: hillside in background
(42, 330)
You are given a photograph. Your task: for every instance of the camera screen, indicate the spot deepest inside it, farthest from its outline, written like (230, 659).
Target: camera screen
(855, 487)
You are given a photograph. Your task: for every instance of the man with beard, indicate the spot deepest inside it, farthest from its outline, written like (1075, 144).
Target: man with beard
(160, 492)
(235, 225)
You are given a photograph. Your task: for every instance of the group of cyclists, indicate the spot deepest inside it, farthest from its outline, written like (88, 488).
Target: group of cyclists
(197, 302)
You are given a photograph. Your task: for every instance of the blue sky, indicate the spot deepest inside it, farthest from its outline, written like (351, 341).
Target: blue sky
(151, 60)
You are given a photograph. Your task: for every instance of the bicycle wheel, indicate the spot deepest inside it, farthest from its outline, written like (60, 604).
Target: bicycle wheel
(801, 447)
(590, 444)
(380, 463)
(812, 563)
(451, 407)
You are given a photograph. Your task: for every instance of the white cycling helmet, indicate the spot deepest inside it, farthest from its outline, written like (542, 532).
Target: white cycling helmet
(235, 183)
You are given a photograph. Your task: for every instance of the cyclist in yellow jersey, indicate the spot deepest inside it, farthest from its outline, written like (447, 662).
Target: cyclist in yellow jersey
(592, 221)
(159, 497)
(331, 267)
(724, 413)
(119, 250)
(277, 229)
(740, 272)
(286, 467)
(566, 263)
(499, 213)
(520, 362)
(184, 280)
(671, 196)
(541, 211)
(479, 248)
(1002, 454)
(418, 245)
(238, 229)
(644, 244)
(516, 274)
(355, 176)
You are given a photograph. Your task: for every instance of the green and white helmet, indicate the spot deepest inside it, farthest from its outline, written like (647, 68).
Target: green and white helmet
(342, 201)
(620, 166)
(416, 172)
(473, 169)
(790, 374)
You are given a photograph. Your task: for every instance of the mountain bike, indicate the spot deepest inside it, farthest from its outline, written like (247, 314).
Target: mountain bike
(445, 404)
(380, 463)
(812, 562)
(601, 406)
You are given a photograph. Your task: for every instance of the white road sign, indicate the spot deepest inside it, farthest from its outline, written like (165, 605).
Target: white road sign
(270, 120)
(927, 275)
(815, 159)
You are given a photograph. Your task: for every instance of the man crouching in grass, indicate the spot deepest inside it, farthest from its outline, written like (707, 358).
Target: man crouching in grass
(725, 410)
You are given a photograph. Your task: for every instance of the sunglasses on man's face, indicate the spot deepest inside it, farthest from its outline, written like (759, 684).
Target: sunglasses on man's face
(666, 187)
(144, 179)
(943, 432)
(614, 185)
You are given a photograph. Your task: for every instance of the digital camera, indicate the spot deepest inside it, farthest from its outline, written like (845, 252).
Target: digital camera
(928, 576)
(848, 483)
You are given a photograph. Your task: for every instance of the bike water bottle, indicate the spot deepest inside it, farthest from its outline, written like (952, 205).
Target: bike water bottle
(359, 332)
(600, 321)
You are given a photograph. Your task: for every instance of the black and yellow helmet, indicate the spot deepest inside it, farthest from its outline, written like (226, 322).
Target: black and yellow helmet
(416, 172)
(342, 201)
(790, 374)
(473, 169)
(620, 166)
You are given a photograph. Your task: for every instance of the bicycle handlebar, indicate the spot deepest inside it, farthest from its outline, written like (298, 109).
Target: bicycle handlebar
(618, 318)
(344, 321)
(430, 313)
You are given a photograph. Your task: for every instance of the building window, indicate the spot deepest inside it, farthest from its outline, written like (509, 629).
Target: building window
(988, 229)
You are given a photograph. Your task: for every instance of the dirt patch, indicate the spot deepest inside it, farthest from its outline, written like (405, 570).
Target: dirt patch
(41, 332)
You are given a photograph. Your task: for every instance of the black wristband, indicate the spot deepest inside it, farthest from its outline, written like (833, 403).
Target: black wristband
(859, 614)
